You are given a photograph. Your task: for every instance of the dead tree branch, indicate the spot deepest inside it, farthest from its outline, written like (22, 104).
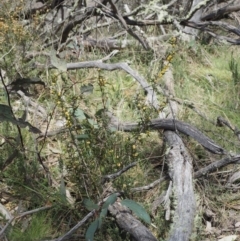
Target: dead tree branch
(151, 94)
(117, 174)
(216, 165)
(169, 124)
(221, 121)
(220, 13)
(180, 165)
(130, 224)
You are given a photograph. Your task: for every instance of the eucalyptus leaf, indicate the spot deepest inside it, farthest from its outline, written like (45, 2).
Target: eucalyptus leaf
(6, 114)
(103, 215)
(71, 45)
(86, 89)
(89, 204)
(91, 230)
(58, 63)
(79, 114)
(138, 210)
(110, 200)
(82, 137)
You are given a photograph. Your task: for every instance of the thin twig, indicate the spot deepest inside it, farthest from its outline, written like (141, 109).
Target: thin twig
(221, 121)
(79, 224)
(117, 174)
(149, 186)
(123, 22)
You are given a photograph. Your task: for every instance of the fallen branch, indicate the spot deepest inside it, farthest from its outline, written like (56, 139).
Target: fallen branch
(169, 124)
(220, 13)
(130, 224)
(151, 94)
(191, 106)
(180, 170)
(204, 27)
(217, 164)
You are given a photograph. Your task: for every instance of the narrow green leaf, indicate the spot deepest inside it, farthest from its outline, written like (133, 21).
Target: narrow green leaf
(102, 215)
(89, 204)
(58, 63)
(82, 137)
(91, 230)
(111, 200)
(137, 209)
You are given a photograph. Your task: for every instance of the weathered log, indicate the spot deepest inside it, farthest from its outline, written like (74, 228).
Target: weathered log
(180, 170)
(130, 224)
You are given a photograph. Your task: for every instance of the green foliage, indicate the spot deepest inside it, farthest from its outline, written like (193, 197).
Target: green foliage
(102, 216)
(91, 230)
(70, 164)
(138, 210)
(38, 227)
(233, 66)
(89, 204)
(62, 190)
(58, 63)
(110, 200)
(79, 114)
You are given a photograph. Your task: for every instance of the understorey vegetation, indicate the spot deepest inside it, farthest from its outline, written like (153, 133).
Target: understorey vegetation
(119, 120)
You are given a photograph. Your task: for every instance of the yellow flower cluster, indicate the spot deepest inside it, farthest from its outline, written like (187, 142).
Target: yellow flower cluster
(11, 29)
(169, 57)
(101, 81)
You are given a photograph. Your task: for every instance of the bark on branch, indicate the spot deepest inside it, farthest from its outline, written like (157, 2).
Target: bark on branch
(130, 224)
(169, 124)
(180, 165)
(151, 93)
(216, 165)
(220, 13)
